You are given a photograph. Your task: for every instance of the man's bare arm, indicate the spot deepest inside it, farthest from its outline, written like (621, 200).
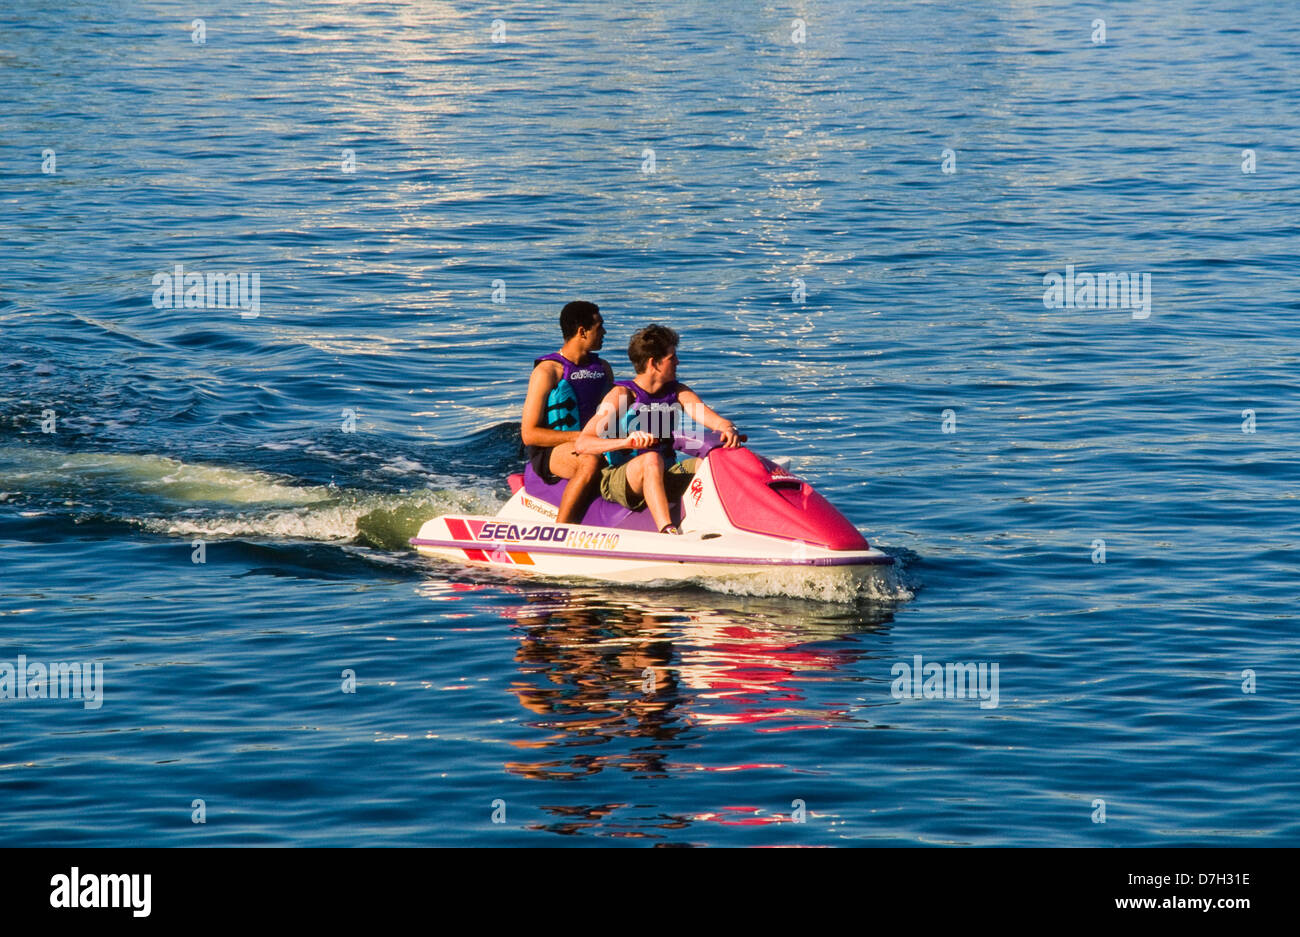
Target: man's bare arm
(545, 377)
(702, 413)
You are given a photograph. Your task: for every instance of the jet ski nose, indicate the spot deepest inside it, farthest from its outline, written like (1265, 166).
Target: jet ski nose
(761, 497)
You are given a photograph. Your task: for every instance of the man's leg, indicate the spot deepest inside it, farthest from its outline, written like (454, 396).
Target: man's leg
(582, 471)
(645, 477)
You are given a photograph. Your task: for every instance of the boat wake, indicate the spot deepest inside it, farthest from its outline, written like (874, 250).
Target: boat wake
(384, 521)
(163, 495)
(169, 497)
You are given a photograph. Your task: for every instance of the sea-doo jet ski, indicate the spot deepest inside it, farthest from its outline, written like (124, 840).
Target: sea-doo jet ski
(742, 514)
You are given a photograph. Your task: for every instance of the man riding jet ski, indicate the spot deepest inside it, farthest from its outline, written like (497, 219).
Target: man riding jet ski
(722, 511)
(640, 416)
(563, 392)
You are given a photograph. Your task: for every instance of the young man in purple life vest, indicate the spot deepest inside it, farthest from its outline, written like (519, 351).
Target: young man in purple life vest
(563, 393)
(639, 415)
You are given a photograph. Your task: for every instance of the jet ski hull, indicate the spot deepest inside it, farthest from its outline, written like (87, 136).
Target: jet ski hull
(725, 534)
(620, 555)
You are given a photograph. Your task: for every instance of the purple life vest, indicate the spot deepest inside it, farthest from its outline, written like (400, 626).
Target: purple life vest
(575, 397)
(658, 414)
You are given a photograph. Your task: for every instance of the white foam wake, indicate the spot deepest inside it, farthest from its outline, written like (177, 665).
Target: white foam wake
(385, 520)
(29, 468)
(841, 584)
(196, 499)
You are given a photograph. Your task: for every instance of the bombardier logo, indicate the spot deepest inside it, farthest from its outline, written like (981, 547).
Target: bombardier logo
(541, 508)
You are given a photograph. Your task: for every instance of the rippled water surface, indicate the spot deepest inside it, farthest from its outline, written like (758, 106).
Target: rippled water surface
(1166, 443)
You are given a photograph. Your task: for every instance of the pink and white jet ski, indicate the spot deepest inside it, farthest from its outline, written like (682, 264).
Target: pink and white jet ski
(742, 514)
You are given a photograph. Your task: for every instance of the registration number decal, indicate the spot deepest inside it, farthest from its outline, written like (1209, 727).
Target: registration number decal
(591, 540)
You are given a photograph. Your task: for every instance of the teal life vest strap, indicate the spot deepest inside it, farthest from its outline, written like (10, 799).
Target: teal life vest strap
(561, 411)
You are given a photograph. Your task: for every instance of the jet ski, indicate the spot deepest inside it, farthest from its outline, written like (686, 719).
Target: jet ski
(742, 515)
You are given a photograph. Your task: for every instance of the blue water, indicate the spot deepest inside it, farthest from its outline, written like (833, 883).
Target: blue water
(522, 161)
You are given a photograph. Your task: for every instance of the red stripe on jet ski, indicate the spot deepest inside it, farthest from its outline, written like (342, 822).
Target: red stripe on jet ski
(477, 555)
(475, 527)
(458, 530)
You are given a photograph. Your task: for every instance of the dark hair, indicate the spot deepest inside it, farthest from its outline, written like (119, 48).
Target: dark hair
(578, 314)
(653, 341)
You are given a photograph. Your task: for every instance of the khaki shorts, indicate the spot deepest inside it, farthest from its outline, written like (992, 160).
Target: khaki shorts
(613, 483)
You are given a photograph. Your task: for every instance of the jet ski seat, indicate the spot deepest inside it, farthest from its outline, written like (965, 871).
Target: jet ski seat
(600, 513)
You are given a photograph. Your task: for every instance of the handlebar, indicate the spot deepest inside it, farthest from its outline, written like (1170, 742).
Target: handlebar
(701, 444)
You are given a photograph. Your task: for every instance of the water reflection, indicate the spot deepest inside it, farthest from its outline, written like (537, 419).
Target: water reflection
(583, 672)
(634, 683)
